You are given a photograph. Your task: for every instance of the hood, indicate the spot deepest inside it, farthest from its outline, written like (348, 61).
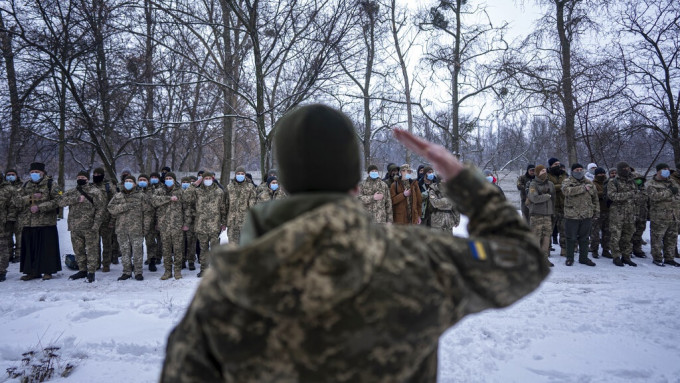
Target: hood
(324, 253)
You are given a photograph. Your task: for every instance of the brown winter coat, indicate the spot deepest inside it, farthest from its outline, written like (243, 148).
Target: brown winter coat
(400, 204)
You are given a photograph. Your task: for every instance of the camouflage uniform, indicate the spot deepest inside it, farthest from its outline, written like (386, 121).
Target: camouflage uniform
(558, 216)
(600, 224)
(131, 210)
(7, 210)
(580, 206)
(523, 182)
(189, 235)
(239, 197)
(381, 211)
(642, 203)
(664, 215)
(109, 245)
(84, 220)
(541, 195)
(321, 302)
(210, 214)
(440, 211)
(171, 217)
(271, 195)
(622, 191)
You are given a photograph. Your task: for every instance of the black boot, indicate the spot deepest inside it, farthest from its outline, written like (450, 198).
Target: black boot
(618, 261)
(671, 262)
(139, 277)
(124, 277)
(79, 275)
(607, 254)
(192, 266)
(152, 264)
(639, 253)
(658, 263)
(90, 277)
(629, 262)
(184, 264)
(114, 260)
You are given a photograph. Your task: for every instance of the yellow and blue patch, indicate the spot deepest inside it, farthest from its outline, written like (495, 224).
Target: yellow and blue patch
(477, 250)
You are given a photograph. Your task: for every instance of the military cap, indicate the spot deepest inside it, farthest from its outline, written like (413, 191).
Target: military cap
(171, 174)
(37, 166)
(240, 169)
(372, 167)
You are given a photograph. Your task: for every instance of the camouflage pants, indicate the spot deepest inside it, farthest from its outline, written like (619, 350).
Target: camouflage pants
(131, 246)
(234, 233)
(541, 226)
(4, 251)
(597, 229)
(640, 227)
(105, 248)
(207, 241)
(173, 243)
(621, 229)
(85, 246)
(664, 236)
(190, 246)
(152, 244)
(558, 221)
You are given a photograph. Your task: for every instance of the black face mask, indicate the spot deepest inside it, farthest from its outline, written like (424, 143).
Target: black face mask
(97, 179)
(556, 171)
(81, 182)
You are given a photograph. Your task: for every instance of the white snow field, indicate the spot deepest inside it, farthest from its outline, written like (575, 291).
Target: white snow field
(584, 324)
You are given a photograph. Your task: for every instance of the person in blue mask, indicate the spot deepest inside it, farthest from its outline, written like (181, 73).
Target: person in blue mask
(664, 197)
(272, 192)
(240, 195)
(374, 194)
(173, 218)
(406, 197)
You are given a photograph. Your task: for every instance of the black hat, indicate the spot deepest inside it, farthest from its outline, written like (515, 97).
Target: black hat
(156, 174)
(11, 171)
(37, 166)
(317, 150)
(142, 175)
(240, 169)
(600, 171)
(84, 173)
(576, 165)
(621, 165)
(99, 171)
(372, 167)
(427, 169)
(131, 177)
(531, 166)
(552, 161)
(200, 172)
(270, 179)
(166, 169)
(662, 166)
(390, 165)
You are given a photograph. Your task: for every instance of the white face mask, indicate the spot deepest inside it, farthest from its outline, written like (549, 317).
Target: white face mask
(207, 182)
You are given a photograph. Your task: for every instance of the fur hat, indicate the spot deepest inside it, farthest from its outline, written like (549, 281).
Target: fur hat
(372, 167)
(37, 166)
(240, 169)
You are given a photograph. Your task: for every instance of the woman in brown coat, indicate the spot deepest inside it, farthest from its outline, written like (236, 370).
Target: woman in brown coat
(406, 198)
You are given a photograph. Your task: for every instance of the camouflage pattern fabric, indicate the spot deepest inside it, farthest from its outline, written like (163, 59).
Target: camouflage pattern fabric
(444, 215)
(209, 209)
(271, 195)
(580, 199)
(130, 209)
(207, 243)
(664, 215)
(622, 192)
(48, 203)
(171, 216)
(84, 244)
(131, 252)
(664, 238)
(523, 183)
(559, 196)
(6, 210)
(642, 203)
(541, 227)
(239, 197)
(381, 211)
(330, 296)
(541, 195)
(152, 236)
(106, 232)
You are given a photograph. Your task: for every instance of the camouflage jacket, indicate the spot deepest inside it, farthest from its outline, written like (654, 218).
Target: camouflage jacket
(664, 204)
(622, 192)
(440, 210)
(109, 191)
(318, 292)
(599, 185)
(381, 211)
(48, 203)
(541, 197)
(239, 197)
(207, 207)
(523, 182)
(150, 222)
(7, 208)
(580, 199)
(87, 215)
(271, 195)
(559, 196)
(131, 210)
(170, 215)
(642, 204)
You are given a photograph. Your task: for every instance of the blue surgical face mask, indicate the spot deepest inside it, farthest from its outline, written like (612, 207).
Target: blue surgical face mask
(185, 185)
(665, 173)
(274, 186)
(240, 178)
(207, 182)
(408, 176)
(143, 184)
(35, 177)
(430, 176)
(169, 183)
(373, 174)
(489, 178)
(129, 185)
(11, 178)
(154, 181)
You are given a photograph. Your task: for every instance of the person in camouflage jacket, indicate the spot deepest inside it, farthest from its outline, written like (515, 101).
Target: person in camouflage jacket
(375, 195)
(151, 236)
(130, 208)
(599, 232)
(272, 192)
(622, 191)
(207, 202)
(580, 206)
(439, 212)
(107, 246)
(38, 202)
(12, 226)
(556, 175)
(318, 292)
(641, 216)
(664, 215)
(190, 241)
(263, 186)
(239, 197)
(86, 207)
(523, 182)
(7, 214)
(172, 218)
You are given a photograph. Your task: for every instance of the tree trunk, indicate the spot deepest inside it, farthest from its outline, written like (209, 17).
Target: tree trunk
(566, 83)
(404, 73)
(455, 105)
(368, 126)
(148, 85)
(229, 78)
(15, 103)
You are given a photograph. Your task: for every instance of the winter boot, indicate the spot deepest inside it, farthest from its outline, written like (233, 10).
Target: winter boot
(124, 277)
(569, 261)
(192, 266)
(167, 275)
(586, 262)
(583, 254)
(671, 262)
(79, 275)
(200, 274)
(158, 261)
(569, 252)
(607, 254)
(184, 264)
(147, 261)
(618, 261)
(658, 263)
(28, 277)
(639, 253)
(3, 277)
(90, 277)
(178, 272)
(629, 262)
(139, 277)
(152, 264)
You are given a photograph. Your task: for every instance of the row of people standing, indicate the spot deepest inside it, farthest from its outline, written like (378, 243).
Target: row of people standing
(405, 197)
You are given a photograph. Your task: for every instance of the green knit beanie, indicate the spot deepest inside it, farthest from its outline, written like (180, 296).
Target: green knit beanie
(317, 150)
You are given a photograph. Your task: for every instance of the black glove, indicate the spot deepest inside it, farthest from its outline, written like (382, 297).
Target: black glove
(674, 189)
(9, 226)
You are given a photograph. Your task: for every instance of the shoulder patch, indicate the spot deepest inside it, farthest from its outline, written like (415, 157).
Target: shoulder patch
(477, 250)
(61, 192)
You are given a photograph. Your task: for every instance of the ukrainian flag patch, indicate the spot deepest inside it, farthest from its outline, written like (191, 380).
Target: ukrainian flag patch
(477, 250)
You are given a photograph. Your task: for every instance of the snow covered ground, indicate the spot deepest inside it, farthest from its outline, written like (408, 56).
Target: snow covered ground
(584, 324)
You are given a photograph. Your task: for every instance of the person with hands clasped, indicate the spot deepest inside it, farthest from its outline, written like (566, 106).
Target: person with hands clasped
(373, 193)
(406, 198)
(664, 215)
(173, 219)
(580, 206)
